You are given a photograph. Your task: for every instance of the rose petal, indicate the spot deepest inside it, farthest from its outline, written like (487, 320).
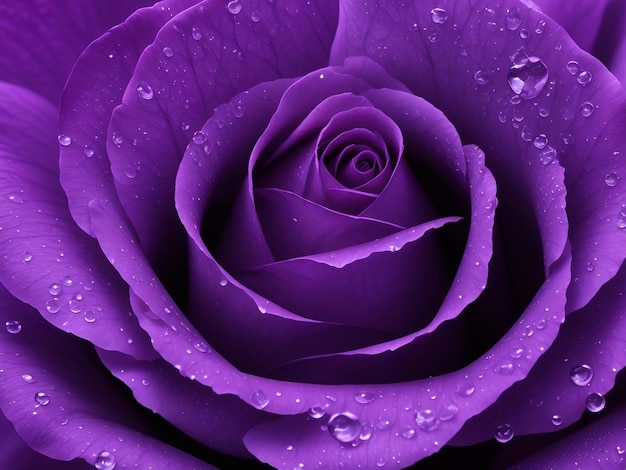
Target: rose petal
(70, 412)
(481, 84)
(41, 40)
(145, 162)
(46, 260)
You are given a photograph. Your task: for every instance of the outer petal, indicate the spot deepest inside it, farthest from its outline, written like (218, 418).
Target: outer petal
(448, 66)
(47, 261)
(41, 39)
(70, 412)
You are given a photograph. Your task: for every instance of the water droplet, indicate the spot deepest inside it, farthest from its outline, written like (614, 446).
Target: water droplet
(89, 316)
(255, 16)
(131, 171)
(380, 463)
(505, 368)
(620, 450)
(611, 179)
(557, 420)
(145, 91)
(513, 18)
(482, 77)
(527, 76)
(13, 326)
(503, 433)
(64, 140)
(199, 137)
(105, 460)
(196, 34)
(52, 305)
(539, 27)
(408, 432)
(523, 33)
(540, 141)
(547, 155)
(568, 139)
(345, 427)
(117, 139)
(517, 352)
(55, 288)
(89, 151)
(202, 347)
(167, 51)
(438, 15)
(234, 6)
(316, 412)
(433, 38)
(364, 397)
(238, 109)
(589, 267)
(584, 77)
(544, 113)
(42, 398)
(526, 135)
(448, 412)
(259, 399)
(581, 375)
(383, 422)
(595, 402)
(28, 378)
(586, 109)
(466, 388)
(75, 304)
(572, 67)
(426, 420)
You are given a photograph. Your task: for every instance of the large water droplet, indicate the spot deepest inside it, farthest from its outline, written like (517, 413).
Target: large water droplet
(89, 151)
(234, 6)
(482, 77)
(145, 91)
(547, 155)
(584, 77)
(557, 420)
(52, 305)
(64, 140)
(55, 288)
(408, 432)
(105, 460)
(448, 412)
(89, 316)
(466, 388)
(29, 379)
(199, 137)
(581, 375)
(503, 433)
(586, 109)
(13, 326)
(255, 16)
(527, 76)
(611, 179)
(595, 402)
(572, 67)
(345, 427)
(438, 15)
(540, 141)
(259, 399)
(42, 398)
(364, 397)
(168, 52)
(426, 420)
(513, 18)
(316, 412)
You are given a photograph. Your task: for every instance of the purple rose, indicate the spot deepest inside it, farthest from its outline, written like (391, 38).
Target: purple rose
(314, 234)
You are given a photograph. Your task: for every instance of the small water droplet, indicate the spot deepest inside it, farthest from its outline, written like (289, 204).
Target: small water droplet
(105, 460)
(167, 51)
(234, 6)
(433, 38)
(117, 139)
(448, 412)
(589, 267)
(513, 18)
(503, 433)
(345, 427)
(466, 388)
(196, 34)
(90, 316)
(364, 397)
(89, 151)
(517, 352)
(568, 139)
(316, 412)
(523, 33)
(52, 305)
(202, 347)
(543, 113)
(13, 326)
(199, 137)
(584, 77)
(482, 77)
(620, 450)
(611, 179)
(595, 402)
(28, 378)
(547, 155)
(505, 368)
(586, 109)
(75, 305)
(238, 109)
(55, 288)
(540, 26)
(130, 172)
(527, 76)
(145, 91)
(259, 399)
(438, 15)
(255, 16)
(42, 398)
(581, 375)
(383, 422)
(426, 420)
(572, 67)
(380, 463)
(64, 140)
(408, 432)
(557, 420)
(540, 141)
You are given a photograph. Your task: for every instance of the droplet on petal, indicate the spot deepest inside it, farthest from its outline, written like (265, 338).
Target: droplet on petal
(345, 427)
(527, 76)
(581, 375)
(595, 402)
(105, 460)
(503, 433)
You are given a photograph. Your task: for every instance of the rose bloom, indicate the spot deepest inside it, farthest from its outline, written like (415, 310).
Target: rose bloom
(312, 234)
